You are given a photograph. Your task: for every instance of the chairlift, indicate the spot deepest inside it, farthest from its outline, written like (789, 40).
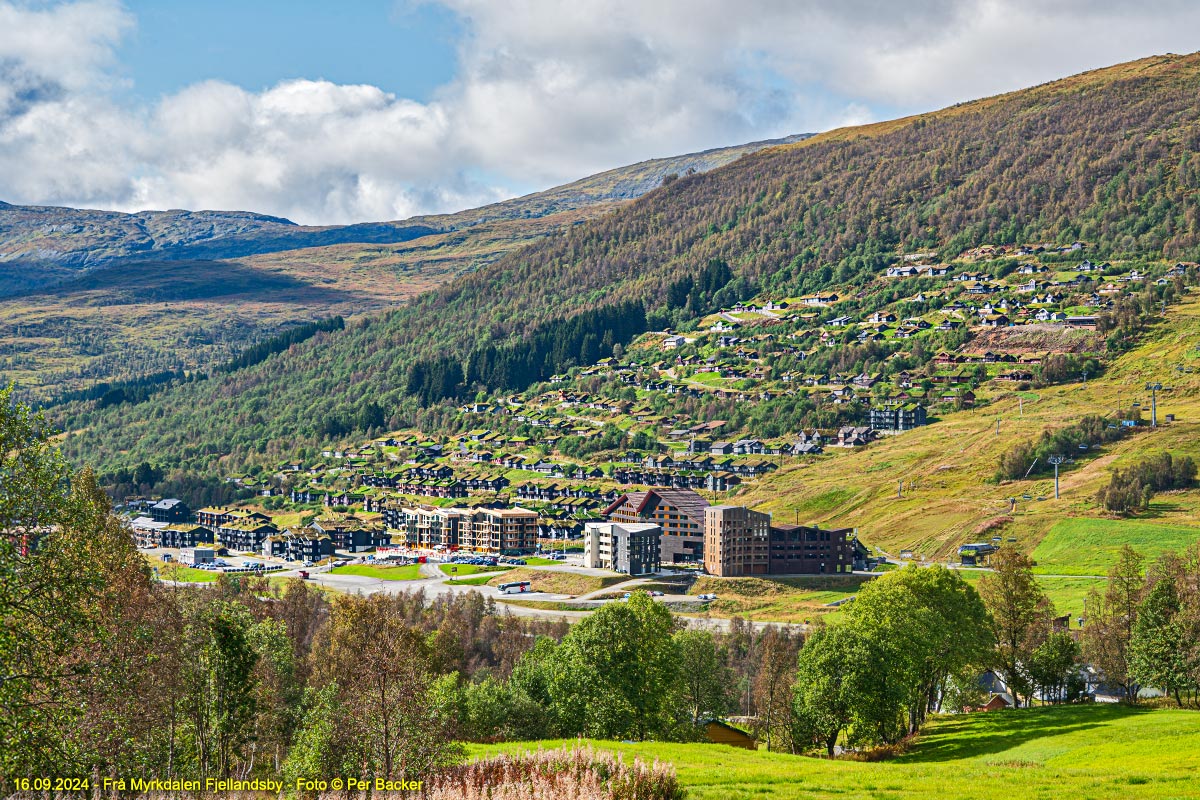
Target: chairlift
(1026, 497)
(1083, 447)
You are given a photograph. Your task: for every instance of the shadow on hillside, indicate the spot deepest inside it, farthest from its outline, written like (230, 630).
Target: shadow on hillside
(983, 733)
(179, 281)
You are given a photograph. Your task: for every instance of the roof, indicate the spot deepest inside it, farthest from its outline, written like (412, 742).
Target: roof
(167, 504)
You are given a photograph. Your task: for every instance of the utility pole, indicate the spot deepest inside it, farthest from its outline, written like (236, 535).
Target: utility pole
(1055, 460)
(997, 426)
(1154, 388)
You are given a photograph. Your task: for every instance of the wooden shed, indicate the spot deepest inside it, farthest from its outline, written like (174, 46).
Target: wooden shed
(720, 732)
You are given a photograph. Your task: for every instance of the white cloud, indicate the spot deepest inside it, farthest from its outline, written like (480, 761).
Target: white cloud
(544, 94)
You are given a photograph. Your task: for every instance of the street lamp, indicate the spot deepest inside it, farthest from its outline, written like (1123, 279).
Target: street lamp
(1055, 460)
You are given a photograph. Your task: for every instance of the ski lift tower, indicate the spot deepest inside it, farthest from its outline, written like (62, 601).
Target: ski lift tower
(1055, 460)
(1154, 389)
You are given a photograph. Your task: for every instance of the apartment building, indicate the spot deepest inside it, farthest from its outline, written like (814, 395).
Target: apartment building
(736, 541)
(632, 548)
(509, 531)
(680, 514)
(804, 550)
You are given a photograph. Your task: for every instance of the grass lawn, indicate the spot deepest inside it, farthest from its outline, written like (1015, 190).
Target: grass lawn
(175, 572)
(470, 569)
(1090, 546)
(536, 561)
(408, 572)
(1067, 594)
(1097, 752)
(475, 580)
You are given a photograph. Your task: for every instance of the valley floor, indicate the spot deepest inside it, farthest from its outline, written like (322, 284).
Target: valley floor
(1089, 751)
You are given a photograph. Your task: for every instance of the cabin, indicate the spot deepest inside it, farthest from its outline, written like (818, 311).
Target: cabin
(720, 732)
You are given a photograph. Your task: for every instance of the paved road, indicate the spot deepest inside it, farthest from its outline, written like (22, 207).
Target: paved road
(434, 583)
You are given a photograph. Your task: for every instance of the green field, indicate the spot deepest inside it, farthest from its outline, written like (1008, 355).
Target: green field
(1067, 594)
(1090, 546)
(175, 572)
(1093, 752)
(475, 580)
(408, 572)
(470, 569)
(535, 561)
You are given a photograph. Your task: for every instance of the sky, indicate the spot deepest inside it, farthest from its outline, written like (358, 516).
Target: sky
(336, 112)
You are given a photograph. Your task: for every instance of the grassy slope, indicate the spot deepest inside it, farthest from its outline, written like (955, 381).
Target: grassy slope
(1094, 752)
(181, 574)
(471, 569)
(558, 582)
(952, 463)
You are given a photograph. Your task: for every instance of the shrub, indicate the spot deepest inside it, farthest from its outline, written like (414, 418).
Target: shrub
(579, 773)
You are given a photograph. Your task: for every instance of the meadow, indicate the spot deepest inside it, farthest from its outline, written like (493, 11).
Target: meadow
(1091, 751)
(471, 569)
(408, 572)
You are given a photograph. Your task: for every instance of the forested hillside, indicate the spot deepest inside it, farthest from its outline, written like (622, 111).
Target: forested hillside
(42, 245)
(101, 296)
(1109, 157)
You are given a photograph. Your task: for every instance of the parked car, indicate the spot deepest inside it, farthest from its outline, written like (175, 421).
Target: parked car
(707, 597)
(656, 593)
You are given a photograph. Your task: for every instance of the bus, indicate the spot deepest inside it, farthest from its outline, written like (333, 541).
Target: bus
(514, 588)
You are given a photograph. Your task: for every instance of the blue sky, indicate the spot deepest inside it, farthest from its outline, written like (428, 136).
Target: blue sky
(328, 112)
(408, 50)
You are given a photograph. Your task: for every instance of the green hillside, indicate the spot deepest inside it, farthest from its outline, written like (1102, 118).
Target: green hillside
(1108, 157)
(103, 296)
(953, 462)
(50, 244)
(1097, 752)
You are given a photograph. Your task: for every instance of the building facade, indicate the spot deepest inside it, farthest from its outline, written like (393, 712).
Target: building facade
(736, 541)
(898, 417)
(170, 511)
(632, 548)
(184, 535)
(680, 514)
(803, 550)
(507, 531)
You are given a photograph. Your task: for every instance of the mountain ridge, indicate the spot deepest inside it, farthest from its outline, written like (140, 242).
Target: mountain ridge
(53, 240)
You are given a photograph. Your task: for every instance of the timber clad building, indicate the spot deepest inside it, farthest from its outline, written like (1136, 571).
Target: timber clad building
(803, 550)
(736, 541)
(680, 514)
